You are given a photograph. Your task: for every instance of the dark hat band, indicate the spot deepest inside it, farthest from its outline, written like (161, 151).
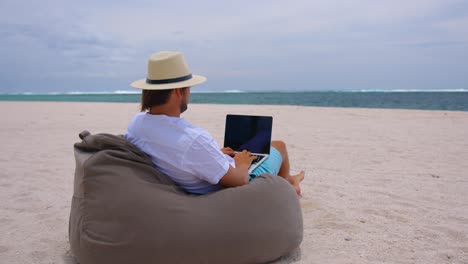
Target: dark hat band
(173, 80)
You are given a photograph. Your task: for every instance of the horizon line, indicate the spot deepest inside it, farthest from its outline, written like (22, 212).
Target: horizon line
(125, 92)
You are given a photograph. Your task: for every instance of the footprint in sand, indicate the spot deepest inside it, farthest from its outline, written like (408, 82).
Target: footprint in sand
(3, 249)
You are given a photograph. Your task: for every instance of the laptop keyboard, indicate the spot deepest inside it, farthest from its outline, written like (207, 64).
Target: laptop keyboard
(257, 159)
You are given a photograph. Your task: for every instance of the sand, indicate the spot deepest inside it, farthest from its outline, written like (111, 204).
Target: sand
(382, 186)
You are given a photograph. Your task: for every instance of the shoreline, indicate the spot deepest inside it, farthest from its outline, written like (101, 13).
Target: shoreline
(243, 105)
(381, 185)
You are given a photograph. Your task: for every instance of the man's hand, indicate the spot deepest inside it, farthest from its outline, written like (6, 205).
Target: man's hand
(228, 151)
(244, 158)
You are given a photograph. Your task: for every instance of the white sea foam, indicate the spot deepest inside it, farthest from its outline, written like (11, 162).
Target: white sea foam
(224, 91)
(84, 93)
(127, 92)
(407, 90)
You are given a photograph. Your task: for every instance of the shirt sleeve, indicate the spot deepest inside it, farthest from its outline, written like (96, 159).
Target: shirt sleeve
(204, 159)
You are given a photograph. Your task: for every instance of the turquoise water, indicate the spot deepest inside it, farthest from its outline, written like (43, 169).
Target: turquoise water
(426, 100)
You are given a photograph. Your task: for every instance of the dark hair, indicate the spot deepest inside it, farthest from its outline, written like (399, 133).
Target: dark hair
(151, 98)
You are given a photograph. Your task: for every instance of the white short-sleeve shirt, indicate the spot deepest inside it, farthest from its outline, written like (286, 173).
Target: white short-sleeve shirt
(187, 154)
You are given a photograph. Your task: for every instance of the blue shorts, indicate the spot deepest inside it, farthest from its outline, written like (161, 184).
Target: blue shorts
(271, 165)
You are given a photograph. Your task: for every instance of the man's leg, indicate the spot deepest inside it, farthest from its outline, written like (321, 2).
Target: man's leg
(284, 171)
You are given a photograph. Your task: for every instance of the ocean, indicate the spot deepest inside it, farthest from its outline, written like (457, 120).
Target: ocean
(456, 100)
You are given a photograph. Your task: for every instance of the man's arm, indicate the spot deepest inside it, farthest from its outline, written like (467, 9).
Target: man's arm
(239, 175)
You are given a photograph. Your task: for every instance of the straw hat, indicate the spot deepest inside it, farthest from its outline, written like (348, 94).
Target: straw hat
(168, 70)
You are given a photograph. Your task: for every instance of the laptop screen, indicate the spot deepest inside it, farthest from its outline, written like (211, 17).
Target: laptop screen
(252, 133)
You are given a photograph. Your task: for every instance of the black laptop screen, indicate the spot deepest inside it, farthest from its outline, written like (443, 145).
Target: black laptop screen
(252, 133)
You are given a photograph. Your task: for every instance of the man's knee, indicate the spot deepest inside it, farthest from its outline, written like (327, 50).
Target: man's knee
(279, 145)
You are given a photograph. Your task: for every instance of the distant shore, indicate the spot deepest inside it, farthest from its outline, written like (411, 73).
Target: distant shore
(381, 186)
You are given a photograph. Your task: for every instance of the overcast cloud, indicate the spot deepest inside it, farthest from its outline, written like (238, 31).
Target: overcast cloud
(62, 46)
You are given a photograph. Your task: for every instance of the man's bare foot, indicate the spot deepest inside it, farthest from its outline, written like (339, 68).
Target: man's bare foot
(295, 180)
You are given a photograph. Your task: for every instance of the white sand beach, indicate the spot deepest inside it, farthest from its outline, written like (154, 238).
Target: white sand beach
(381, 186)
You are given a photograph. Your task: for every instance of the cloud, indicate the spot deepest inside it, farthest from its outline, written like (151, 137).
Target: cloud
(456, 28)
(109, 41)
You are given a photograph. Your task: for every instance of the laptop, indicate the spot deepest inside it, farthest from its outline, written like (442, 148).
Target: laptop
(252, 133)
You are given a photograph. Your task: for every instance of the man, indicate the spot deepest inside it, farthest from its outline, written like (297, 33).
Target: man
(188, 154)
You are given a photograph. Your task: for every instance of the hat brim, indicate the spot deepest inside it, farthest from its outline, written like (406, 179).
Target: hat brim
(195, 80)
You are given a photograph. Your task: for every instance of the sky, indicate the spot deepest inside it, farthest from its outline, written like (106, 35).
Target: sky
(92, 46)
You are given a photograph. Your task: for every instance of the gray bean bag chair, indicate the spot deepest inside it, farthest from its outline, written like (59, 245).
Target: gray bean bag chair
(125, 211)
